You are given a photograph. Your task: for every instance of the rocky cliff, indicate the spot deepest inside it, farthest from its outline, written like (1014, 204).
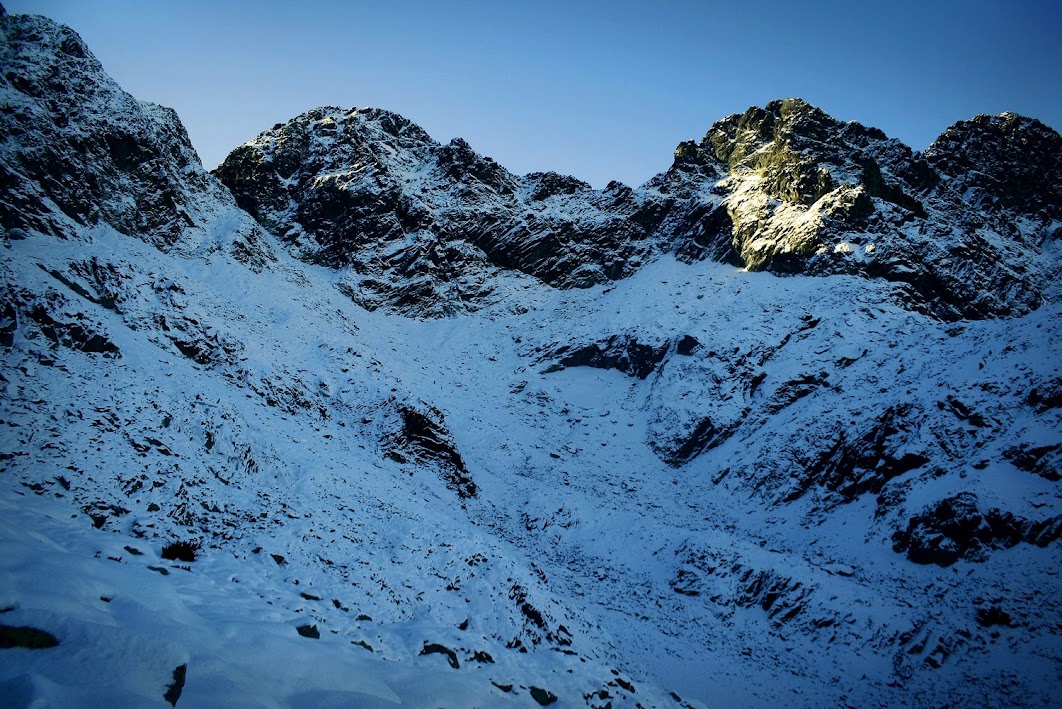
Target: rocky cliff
(427, 228)
(423, 227)
(77, 153)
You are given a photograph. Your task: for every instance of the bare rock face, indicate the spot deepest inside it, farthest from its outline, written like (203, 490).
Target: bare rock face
(422, 438)
(77, 151)
(789, 172)
(805, 193)
(624, 353)
(1004, 162)
(957, 528)
(868, 462)
(427, 229)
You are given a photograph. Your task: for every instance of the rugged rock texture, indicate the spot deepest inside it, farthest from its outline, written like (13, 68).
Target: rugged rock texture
(804, 193)
(422, 438)
(45, 317)
(1001, 163)
(77, 152)
(622, 353)
(887, 449)
(424, 228)
(956, 528)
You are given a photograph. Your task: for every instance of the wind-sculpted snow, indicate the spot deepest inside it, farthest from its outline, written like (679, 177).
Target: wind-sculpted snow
(684, 483)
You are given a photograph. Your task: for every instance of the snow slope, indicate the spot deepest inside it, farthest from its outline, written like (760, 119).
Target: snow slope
(695, 485)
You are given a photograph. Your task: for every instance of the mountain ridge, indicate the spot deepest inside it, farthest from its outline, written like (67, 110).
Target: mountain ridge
(765, 190)
(691, 484)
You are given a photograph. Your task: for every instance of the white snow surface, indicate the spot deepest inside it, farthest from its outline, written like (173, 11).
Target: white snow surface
(575, 512)
(660, 540)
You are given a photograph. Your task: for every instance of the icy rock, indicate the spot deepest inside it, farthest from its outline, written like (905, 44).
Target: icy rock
(422, 437)
(309, 631)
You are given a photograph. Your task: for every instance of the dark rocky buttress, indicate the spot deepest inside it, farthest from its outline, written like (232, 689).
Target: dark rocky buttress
(424, 227)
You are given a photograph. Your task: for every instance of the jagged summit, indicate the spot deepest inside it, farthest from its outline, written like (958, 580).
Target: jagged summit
(77, 151)
(423, 227)
(427, 228)
(1009, 162)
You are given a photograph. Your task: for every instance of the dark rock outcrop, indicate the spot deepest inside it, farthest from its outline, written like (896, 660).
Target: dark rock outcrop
(424, 439)
(993, 615)
(624, 353)
(865, 463)
(706, 434)
(1045, 460)
(437, 649)
(1046, 396)
(174, 690)
(74, 331)
(26, 637)
(76, 151)
(956, 528)
(687, 345)
(729, 583)
(423, 227)
(309, 631)
(543, 697)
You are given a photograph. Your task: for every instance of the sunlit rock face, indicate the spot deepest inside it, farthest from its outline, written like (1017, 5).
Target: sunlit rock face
(424, 228)
(804, 193)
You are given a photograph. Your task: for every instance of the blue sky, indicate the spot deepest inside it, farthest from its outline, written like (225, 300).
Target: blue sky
(599, 90)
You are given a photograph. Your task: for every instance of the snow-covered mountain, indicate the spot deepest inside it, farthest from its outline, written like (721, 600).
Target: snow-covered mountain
(425, 228)
(782, 425)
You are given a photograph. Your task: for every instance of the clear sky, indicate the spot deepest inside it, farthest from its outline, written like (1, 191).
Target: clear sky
(599, 90)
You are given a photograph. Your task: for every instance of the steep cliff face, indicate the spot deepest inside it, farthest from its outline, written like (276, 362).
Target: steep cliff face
(78, 153)
(803, 193)
(1001, 163)
(616, 462)
(424, 228)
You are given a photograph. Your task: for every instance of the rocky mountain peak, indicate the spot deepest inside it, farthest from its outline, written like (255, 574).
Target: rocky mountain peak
(49, 43)
(796, 191)
(423, 227)
(802, 152)
(330, 144)
(784, 188)
(790, 122)
(77, 151)
(1003, 162)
